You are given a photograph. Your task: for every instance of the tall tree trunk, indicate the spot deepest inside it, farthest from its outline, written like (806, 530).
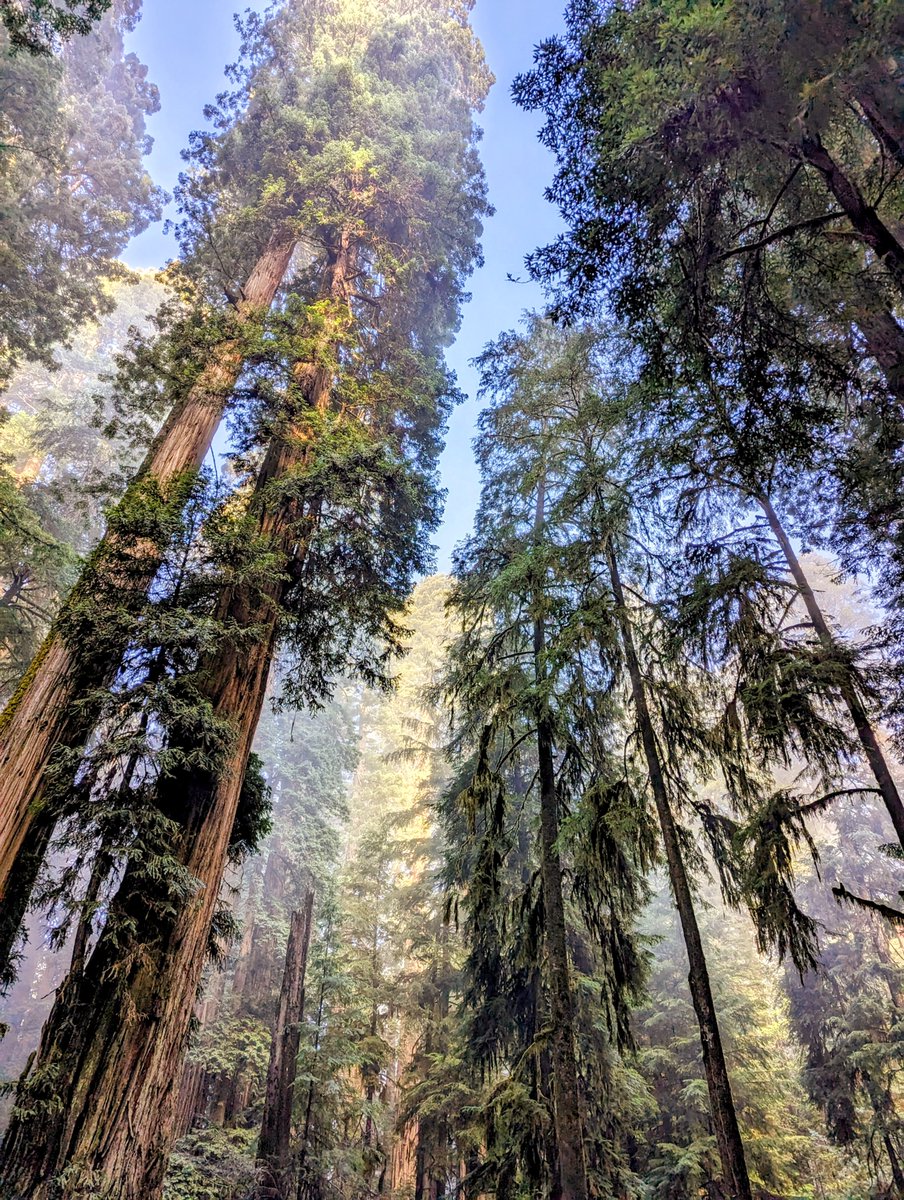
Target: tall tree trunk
(120, 1036)
(306, 1130)
(420, 1163)
(572, 1163)
(862, 216)
(849, 694)
(39, 717)
(273, 1150)
(725, 1120)
(432, 1155)
(20, 885)
(373, 1158)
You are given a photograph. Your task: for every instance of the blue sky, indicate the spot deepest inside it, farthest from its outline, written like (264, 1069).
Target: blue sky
(186, 44)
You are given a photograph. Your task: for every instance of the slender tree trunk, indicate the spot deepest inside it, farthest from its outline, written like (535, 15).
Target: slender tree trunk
(370, 1143)
(273, 1150)
(725, 1120)
(879, 100)
(894, 1162)
(20, 581)
(240, 980)
(864, 218)
(39, 716)
(884, 339)
(883, 1105)
(420, 1165)
(122, 1036)
(572, 1163)
(308, 1182)
(566, 1094)
(859, 715)
(432, 1155)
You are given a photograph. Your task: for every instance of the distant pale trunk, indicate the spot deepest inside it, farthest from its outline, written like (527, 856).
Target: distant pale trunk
(866, 734)
(39, 717)
(118, 1035)
(721, 1102)
(273, 1150)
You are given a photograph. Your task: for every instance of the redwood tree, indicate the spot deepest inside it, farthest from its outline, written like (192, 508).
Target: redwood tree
(335, 525)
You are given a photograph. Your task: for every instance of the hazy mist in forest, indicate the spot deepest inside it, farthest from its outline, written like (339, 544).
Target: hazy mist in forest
(408, 801)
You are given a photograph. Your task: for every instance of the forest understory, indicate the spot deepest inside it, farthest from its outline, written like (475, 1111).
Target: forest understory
(574, 870)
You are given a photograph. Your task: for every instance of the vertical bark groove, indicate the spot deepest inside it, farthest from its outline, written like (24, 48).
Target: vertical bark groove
(273, 1149)
(118, 1124)
(39, 716)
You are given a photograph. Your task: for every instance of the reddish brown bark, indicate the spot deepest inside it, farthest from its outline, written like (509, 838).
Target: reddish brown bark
(273, 1150)
(191, 1098)
(39, 716)
(121, 1028)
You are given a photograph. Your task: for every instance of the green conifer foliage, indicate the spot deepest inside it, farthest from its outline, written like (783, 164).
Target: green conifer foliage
(391, 144)
(847, 1014)
(73, 186)
(38, 26)
(528, 682)
(60, 467)
(786, 1153)
(352, 402)
(730, 179)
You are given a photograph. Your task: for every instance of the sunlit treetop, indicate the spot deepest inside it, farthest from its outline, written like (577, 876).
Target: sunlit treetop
(350, 114)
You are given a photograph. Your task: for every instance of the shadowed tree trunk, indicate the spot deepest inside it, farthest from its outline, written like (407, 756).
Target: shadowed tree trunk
(273, 1149)
(884, 339)
(119, 1039)
(879, 100)
(305, 1183)
(572, 1164)
(39, 717)
(859, 715)
(433, 1141)
(862, 216)
(724, 1116)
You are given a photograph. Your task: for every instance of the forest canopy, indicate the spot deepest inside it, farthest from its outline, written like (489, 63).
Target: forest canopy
(337, 863)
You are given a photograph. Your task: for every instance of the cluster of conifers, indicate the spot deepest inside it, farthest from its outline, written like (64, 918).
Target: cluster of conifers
(328, 228)
(705, 182)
